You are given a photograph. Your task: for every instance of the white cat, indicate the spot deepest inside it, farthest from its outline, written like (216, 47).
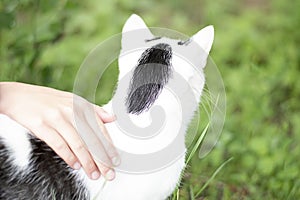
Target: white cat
(158, 84)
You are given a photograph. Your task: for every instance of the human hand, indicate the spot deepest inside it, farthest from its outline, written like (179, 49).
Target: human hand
(50, 115)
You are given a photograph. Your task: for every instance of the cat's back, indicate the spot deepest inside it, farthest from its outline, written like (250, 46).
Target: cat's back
(29, 169)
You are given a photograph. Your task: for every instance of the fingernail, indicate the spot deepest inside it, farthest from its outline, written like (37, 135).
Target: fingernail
(77, 166)
(105, 114)
(110, 175)
(95, 175)
(116, 160)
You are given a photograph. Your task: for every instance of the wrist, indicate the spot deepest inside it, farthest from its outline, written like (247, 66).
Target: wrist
(5, 89)
(1, 96)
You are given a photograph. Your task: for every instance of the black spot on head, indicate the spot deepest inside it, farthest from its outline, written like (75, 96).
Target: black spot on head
(152, 39)
(185, 42)
(149, 77)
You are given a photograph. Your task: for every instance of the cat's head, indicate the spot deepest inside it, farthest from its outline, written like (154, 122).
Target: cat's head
(151, 61)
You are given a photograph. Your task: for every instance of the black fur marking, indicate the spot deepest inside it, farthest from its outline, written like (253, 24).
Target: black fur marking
(49, 176)
(151, 74)
(186, 42)
(156, 38)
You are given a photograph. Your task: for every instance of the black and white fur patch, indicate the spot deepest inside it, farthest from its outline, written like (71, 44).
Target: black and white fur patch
(46, 177)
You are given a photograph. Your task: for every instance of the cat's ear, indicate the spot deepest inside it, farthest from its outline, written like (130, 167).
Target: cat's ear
(135, 31)
(134, 22)
(205, 38)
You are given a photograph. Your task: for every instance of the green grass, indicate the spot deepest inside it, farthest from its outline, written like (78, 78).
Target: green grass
(256, 49)
(192, 152)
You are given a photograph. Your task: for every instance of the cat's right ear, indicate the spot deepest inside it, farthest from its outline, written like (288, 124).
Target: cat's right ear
(205, 38)
(135, 31)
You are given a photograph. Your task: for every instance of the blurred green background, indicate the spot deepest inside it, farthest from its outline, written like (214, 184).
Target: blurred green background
(256, 49)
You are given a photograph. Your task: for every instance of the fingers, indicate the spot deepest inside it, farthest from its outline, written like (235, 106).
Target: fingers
(104, 116)
(108, 172)
(78, 148)
(54, 140)
(87, 128)
(83, 140)
(107, 142)
(97, 146)
(111, 152)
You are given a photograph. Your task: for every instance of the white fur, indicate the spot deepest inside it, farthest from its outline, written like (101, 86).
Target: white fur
(15, 140)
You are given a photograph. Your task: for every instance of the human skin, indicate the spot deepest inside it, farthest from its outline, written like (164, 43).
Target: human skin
(49, 115)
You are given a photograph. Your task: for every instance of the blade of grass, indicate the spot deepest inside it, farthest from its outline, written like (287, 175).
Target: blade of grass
(174, 196)
(177, 194)
(196, 146)
(212, 177)
(192, 195)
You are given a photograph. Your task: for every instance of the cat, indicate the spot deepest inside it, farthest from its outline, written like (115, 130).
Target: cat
(29, 169)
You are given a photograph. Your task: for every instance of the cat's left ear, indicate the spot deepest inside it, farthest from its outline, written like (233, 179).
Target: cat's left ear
(135, 22)
(205, 38)
(135, 32)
